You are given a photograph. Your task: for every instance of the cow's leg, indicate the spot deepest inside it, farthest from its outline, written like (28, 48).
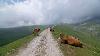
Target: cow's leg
(37, 34)
(33, 32)
(81, 45)
(59, 41)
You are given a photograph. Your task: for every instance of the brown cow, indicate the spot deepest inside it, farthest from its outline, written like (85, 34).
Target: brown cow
(36, 31)
(67, 39)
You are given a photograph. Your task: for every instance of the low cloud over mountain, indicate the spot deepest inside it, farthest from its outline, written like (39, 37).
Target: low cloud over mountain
(39, 12)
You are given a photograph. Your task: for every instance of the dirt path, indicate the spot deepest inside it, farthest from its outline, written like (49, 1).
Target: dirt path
(43, 45)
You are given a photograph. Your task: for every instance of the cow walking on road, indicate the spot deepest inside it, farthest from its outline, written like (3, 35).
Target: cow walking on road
(36, 31)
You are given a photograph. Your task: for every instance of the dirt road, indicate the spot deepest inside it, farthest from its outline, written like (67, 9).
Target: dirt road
(42, 45)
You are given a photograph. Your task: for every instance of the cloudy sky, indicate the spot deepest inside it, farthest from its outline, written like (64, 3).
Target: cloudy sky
(40, 12)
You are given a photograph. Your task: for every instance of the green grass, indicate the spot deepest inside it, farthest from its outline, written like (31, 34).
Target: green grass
(8, 35)
(11, 39)
(91, 44)
(11, 48)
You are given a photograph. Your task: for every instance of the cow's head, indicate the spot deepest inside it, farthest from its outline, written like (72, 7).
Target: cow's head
(80, 45)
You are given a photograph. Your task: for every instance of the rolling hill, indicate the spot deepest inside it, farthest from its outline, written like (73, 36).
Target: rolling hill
(8, 35)
(92, 45)
(13, 38)
(87, 31)
(90, 26)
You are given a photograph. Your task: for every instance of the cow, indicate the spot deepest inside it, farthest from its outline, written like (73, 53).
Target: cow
(36, 31)
(52, 29)
(71, 40)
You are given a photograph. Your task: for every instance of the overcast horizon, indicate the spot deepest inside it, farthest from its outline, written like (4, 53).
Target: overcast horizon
(15, 13)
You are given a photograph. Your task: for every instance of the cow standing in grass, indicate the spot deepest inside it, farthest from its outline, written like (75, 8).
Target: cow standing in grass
(36, 31)
(67, 39)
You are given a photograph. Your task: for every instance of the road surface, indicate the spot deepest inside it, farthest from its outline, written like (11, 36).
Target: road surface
(42, 45)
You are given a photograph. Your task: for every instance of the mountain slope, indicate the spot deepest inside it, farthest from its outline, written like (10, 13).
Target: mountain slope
(91, 26)
(8, 35)
(91, 44)
(13, 38)
(13, 47)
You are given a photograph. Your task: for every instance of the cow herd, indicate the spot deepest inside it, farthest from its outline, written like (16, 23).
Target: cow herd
(63, 38)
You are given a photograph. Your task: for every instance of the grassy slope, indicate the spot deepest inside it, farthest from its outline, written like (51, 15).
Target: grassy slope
(92, 45)
(12, 47)
(14, 38)
(8, 35)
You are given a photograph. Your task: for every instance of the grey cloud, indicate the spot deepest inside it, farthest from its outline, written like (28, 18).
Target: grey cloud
(33, 12)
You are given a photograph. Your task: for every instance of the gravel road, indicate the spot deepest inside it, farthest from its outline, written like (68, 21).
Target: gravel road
(42, 45)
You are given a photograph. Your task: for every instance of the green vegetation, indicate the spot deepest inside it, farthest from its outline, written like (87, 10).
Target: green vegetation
(91, 44)
(8, 35)
(11, 48)
(11, 39)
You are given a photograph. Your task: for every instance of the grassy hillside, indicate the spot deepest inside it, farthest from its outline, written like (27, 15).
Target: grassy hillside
(91, 44)
(12, 39)
(8, 35)
(11, 48)
(90, 26)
